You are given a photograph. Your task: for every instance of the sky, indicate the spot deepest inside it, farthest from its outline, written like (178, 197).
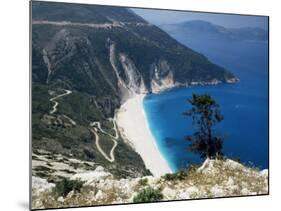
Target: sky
(159, 17)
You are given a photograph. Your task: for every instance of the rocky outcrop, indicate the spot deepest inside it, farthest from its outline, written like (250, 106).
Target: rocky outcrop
(134, 79)
(40, 185)
(214, 178)
(161, 76)
(131, 82)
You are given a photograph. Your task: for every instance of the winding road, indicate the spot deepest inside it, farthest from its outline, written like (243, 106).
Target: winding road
(53, 100)
(108, 25)
(94, 127)
(97, 126)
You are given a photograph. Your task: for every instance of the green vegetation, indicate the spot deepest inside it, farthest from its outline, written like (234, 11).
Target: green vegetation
(56, 11)
(148, 195)
(107, 126)
(77, 140)
(80, 107)
(40, 99)
(143, 182)
(193, 168)
(42, 168)
(63, 187)
(106, 143)
(180, 175)
(222, 157)
(205, 115)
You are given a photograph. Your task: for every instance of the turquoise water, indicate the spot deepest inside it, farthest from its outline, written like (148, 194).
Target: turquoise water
(244, 106)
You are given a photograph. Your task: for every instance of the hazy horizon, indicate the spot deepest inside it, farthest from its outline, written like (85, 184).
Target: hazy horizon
(159, 17)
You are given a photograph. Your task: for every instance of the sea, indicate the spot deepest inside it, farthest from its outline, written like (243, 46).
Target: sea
(244, 106)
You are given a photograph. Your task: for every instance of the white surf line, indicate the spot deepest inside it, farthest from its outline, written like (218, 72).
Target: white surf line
(114, 138)
(67, 92)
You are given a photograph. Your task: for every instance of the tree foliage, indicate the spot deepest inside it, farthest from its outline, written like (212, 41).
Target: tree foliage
(205, 114)
(65, 186)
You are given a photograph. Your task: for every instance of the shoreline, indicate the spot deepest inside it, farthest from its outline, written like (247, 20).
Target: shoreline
(133, 125)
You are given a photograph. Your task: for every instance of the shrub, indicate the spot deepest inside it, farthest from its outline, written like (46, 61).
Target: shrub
(143, 182)
(169, 177)
(64, 186)
(180, 175)
(220, 157)
(192, 168)
(148, 195)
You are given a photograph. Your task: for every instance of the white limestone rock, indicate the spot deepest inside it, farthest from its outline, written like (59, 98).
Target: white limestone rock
(41, 185)
(92, 177)
(169, 193)
(100, 195)
(217, 191)
(61, 199)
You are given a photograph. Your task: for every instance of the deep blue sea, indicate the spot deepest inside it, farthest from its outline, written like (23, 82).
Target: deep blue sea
(244, 106)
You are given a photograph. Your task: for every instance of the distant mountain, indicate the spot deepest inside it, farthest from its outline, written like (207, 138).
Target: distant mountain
(240, 49)
(103, 55)
(198, 26)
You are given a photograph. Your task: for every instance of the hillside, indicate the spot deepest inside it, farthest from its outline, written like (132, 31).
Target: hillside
(86, 61)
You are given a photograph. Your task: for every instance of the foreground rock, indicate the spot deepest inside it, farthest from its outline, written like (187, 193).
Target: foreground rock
(215, 178)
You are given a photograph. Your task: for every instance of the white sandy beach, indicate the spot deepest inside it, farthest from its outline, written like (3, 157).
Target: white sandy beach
(132, 122)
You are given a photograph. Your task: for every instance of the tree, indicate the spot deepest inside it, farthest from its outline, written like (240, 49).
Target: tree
(205, 115)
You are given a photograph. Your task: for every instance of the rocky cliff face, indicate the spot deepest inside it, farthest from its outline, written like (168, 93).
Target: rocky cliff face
(162, 76)
(214, 178)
